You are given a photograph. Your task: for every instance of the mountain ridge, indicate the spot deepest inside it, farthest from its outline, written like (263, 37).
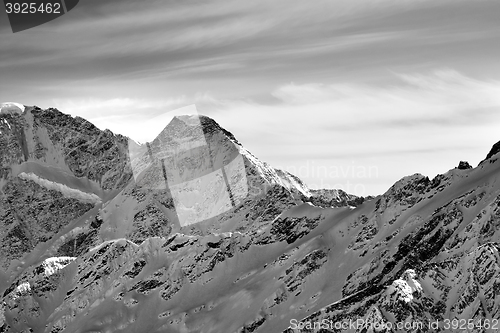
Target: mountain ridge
(144, 259)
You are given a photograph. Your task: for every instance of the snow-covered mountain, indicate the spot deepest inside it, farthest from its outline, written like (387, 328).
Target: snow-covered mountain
(192, 233)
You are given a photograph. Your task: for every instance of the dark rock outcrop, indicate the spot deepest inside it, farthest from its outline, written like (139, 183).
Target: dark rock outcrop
(464, 165)
(494, 150)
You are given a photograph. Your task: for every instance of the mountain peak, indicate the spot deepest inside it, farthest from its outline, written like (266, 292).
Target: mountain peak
(189, 131)
(204, 169)
(207, 123)
(192, 119)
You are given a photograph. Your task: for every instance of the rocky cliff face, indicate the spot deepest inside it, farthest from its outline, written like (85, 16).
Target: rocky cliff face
(54, 170)
(192, 233)
(494, 150)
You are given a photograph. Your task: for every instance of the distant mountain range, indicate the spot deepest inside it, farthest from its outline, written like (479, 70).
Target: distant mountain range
(193, 233)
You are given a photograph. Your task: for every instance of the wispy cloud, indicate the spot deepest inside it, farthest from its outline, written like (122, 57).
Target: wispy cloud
(444, 97)
(109, 37)
(439, 115)
(93, 107)
(334, 77)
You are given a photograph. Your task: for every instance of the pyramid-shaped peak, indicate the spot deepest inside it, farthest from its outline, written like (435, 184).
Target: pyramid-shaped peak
(191, 127)
(189, 119)
(194, 120)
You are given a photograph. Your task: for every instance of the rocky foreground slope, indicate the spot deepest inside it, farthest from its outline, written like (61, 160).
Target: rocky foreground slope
(192, 233)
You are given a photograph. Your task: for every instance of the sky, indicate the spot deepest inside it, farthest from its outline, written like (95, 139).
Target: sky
(350, 94)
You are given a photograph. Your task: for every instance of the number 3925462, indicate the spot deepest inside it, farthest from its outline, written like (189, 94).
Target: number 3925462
(33, 8)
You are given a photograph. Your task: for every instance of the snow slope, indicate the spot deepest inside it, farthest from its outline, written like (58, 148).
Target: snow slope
(65, 190)
(11, 107)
